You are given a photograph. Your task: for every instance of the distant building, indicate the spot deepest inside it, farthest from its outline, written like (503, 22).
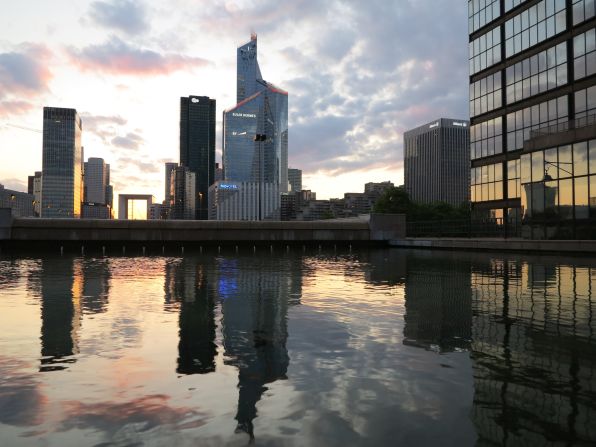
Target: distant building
(362, 203)
(255, 146)
(437, 162)
(34, 188)
(295, 180)
(218, 172)
(244, 201)
(96, 177)
(197, 146)
(183, 194)
(158, 211)
(91, 210)
(169, 167)
(288, 206)
(21, 203)
(61, 194)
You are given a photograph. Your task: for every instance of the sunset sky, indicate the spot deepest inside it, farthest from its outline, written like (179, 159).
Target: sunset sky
(358, 73)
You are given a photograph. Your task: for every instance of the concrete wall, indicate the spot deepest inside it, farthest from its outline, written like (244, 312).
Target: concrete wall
(5, 223)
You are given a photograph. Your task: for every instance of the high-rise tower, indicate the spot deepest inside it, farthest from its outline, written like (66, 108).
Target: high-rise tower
(255, 146)
(197, 146)
(62, 163)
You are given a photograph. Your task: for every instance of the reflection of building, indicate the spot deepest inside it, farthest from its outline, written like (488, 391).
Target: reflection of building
(255, 295)
(255, 149)
(95, 279)
(532, 90)
(438, 303)
(532, 354)
(436, 162)
(61, 290)
(197, 146)
(62, 187)
(187, 285)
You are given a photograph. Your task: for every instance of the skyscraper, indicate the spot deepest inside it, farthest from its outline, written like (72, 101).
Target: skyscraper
(182, 193)
(62, 163)
(95, 180)
(197, 145)
(532, 112)
(170, 166)
(255, 146)
(295, 180)
(436, 162)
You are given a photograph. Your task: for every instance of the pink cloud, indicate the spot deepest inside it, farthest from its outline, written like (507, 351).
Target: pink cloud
(119, 58)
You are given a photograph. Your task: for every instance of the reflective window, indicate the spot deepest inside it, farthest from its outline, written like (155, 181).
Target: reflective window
(592, 156)
(510, 4)
(580, 158)
(486, 138)
(513, 179)
(481, 12)
(485, 94)
(582, 10)
(584, 54)
(581, 198)
(485, 51)
(520, 123)
(592, 194)
(486, 183)
(533, 25)
(585, 102)
(536, 74)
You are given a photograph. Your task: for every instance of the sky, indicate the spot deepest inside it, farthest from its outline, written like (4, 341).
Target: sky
(359, 74)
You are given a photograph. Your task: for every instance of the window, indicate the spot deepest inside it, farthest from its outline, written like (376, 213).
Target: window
(513, 179)
(486, 183)
(585, 102)
(485, 51)
(536, 74)
(582, 10)
(534, 25)
(481, 12)
(486, 138)
(485, 94)
(584, 54)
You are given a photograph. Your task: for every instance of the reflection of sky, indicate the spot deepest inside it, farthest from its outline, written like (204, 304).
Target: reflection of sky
(350, 379)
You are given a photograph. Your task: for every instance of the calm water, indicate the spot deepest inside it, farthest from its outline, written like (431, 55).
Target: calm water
(382, 347)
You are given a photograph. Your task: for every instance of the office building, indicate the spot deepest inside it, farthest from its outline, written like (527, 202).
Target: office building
(61, 193)
(92, 210)
(182, 193)
(169, 167)
(20, 203)
(95, 180)
(436, 162)
(34, 188)
(197, 145)
(244, 201)
(295, 180)
(255, 140)
(532, 111)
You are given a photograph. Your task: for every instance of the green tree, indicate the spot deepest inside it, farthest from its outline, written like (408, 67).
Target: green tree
(395, 200)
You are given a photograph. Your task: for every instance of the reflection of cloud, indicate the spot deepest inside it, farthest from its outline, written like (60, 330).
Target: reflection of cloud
(109, 417)
(21, 401)
(124, 15)
(119, 58)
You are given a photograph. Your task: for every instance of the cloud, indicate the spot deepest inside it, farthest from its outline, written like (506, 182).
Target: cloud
(142, 166)
(103, 126)
(131, 141)
(117, 57)
(123, 15)
(15, 184)
(24, 76)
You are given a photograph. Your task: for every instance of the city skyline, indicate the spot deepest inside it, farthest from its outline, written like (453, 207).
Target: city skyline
(352, 97)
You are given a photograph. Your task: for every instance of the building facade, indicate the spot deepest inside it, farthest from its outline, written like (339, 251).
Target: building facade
(169, 167)
(62, 186)
(183, 193)
(436, 162)
(532, 112)
(244, 201)
(295, 180)
(92, 210)
(21, 204)
(197, 145)
(255, 132)
(95, 178)
(34, 187)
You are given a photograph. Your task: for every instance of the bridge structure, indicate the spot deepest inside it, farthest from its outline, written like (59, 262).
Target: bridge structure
(38, 233)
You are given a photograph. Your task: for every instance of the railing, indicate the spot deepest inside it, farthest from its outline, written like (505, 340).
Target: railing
(497, 227)
(563, 127)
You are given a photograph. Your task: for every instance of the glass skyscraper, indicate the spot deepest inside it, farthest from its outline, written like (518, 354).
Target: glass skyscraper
(533, 114)
(197, 146)
(255, 140)
(62, 186)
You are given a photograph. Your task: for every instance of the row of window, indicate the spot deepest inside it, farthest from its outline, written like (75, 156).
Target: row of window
(536, 74)
(485, 94)
(510, 4)
(534, 25)
(486, 138)
(481, 12)
(559, 162)
(585, 102)
(485, 51)
(584, 54)
(513, 179)
(486, 183)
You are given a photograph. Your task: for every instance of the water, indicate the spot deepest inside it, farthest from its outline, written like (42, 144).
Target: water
(380, 347)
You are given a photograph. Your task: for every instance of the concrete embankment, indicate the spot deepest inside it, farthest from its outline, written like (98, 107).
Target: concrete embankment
(587, 247)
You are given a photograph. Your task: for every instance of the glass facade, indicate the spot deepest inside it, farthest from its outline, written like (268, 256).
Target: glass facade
(481, 12)
(585, 102)
(583, 10)
(197, 146)
(486, 138)
(486, 183)
(485, 51)
(485, 94)
(534, 25)
(584, 54)
(62, 164)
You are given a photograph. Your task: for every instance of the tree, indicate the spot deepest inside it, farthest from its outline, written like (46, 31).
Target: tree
(395, 200)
